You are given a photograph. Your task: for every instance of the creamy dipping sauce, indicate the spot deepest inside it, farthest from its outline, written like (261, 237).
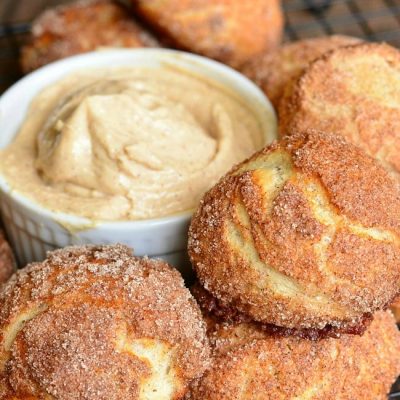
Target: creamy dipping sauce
(130, 143)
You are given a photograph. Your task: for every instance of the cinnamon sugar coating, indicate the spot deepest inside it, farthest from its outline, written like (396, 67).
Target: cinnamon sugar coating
(230, 31)
(249, 364)
(7, 261)
(94, 322)
(304, 235)
(353, 91)
(218, 311)
(272, 71)
(80, 27)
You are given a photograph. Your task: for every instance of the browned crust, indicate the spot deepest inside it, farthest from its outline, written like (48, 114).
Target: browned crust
(355, 183)
(352, 91)
(307, 241)
(223, 313)
(250, 364)
(272, 71)
(395, 309)
(85, 300)
(231, 31)
(7, 261)
(80, 27)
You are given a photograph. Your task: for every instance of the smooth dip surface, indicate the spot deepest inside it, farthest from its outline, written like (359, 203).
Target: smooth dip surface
(131, 143)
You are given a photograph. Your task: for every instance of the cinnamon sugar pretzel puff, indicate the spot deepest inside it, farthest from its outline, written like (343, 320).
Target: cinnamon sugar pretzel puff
(305, 234)
(96, 323)
(7, 261)
(355, 92)
(80, 27)
(231, 31)
(250, 364)
(272, 71)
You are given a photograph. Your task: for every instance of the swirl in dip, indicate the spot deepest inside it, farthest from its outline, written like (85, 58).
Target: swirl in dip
(128, 144)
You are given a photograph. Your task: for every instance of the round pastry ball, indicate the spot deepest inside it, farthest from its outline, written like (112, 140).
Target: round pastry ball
(352, 91)
(231, 31)
(304, 234)
(80, 27)
(7, 261)
(97, 323)
(272, 71)
(249, 364)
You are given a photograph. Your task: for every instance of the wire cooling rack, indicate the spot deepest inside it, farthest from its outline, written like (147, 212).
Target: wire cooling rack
(375, 20)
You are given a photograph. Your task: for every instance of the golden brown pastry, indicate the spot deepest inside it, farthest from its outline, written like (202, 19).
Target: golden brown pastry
(79, 27)
(305, 234)
(272, 71)
(395, 308)
(250, 364)
(96, 323)
(7, 261)
(226, 313)
(231, 31)
(353, 91)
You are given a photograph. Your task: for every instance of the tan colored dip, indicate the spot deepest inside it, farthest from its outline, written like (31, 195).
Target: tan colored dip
(127, 144)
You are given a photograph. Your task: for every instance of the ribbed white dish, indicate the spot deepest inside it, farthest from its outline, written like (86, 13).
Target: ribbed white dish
(34, 230)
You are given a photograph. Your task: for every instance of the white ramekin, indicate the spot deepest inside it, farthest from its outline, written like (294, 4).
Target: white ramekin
(33, 230)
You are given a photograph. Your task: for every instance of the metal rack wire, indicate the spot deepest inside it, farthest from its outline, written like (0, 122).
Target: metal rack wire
(375, 20)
